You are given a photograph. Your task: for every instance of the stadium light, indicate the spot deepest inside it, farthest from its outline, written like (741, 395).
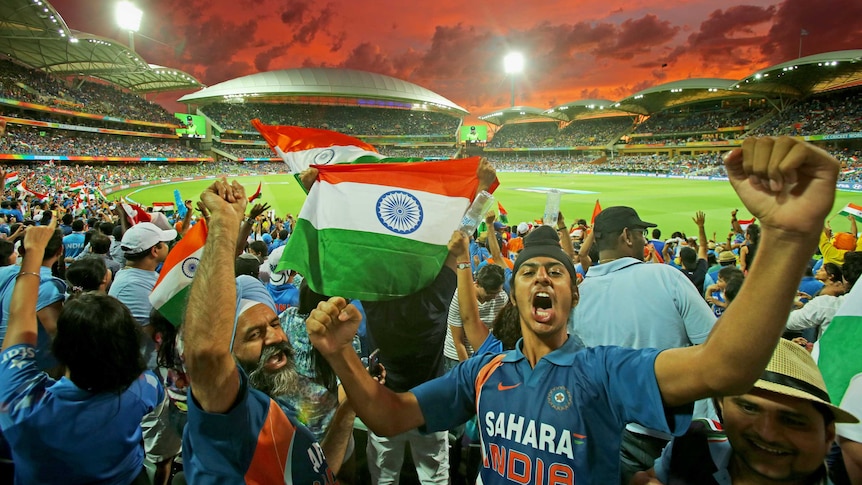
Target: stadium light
(129, 18)
(513, 64)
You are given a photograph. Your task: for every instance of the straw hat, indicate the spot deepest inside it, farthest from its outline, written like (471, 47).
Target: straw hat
(792, 372)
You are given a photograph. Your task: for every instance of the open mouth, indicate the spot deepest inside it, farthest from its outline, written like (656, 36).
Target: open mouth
(543, 310)
(275, 362)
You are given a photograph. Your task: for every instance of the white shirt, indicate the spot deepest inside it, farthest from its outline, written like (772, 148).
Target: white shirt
(816, 313)
(852, 403)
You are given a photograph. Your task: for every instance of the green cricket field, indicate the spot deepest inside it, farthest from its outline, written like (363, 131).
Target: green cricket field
(670, 203)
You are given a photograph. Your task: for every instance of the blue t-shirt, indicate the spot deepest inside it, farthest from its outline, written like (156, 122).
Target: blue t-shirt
(564, 418)
(132, 286)
(73, 244)
(51, 290)
(60, 433)
(284, 296)
(254, 442)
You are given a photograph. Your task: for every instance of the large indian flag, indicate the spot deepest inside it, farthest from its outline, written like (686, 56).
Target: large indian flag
(171, 292)
(302, 147)
(838, 356)
(11, 179)
(852, 210)
(379, 231)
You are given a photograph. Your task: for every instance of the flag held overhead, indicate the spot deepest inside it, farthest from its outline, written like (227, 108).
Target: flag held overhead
(379, 231)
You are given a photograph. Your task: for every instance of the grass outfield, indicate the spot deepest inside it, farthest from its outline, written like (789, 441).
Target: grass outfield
(670, 203)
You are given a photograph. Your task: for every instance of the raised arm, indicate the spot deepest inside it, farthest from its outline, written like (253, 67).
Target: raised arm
(702, 243)
(22, 327)
(248, 225)
(565, 239)
(789, 186)
(584, 254)
(468, 304)
(331, 327)
(212, 303)
(493, 244)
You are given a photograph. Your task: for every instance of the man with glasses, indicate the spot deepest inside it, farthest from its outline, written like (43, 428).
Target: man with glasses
(640, 306)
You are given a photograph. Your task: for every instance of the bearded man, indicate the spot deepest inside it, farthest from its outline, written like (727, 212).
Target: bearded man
(240, 363)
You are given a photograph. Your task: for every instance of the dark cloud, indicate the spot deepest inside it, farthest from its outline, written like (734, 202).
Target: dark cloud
(832, 25)
(309, 30)
(263, 59)
(727, 37)
(294, 14)
(338, 41)
(636, 37)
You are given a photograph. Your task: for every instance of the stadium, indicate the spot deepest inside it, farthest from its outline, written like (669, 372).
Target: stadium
(80, 131)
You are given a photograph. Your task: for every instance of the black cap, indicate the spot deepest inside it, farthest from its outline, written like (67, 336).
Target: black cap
(614, 219)
(543, 241)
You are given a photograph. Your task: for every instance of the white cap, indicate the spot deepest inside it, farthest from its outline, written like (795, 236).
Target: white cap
(143, 236)
(523, 228)
(276, 277)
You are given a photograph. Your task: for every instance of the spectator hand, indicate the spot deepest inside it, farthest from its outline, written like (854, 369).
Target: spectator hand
(223, 199)
(257, 210)
(332, 325)
(36, 237)
(308, 177)
(490, 217)
(787, 184)
(699, 219)
(486, 174)
(459, 246)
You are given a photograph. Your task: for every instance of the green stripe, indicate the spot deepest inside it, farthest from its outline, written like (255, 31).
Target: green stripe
(838, 344)
(361, 265)
(175, 308)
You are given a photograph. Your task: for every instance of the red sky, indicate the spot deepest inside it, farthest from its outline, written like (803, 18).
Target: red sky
(575, 49)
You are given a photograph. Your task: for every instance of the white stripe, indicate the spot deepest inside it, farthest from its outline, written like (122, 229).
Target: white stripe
(174, 282)
(299, 161)
(850, 211)
(353, 206)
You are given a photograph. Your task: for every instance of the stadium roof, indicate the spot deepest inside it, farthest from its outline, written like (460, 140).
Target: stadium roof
(585, 108)
(323, 82)
(517, 113)
(678, 93)
(807, 75)
(33, 33)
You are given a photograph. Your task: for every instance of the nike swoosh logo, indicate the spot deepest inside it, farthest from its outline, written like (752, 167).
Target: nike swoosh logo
(501, 387)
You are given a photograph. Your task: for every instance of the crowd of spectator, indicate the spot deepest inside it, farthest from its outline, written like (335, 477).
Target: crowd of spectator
(352, 120)
(525, 135)
(50, 117)
(685, 120)
(21, 139)
(839, 112)
(594, 132)
(23, 84)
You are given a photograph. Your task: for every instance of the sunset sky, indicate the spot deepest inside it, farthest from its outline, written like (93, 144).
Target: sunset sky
(575, 49)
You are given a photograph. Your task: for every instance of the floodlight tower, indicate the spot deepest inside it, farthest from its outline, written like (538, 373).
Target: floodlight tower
(513, 63)
(129, 18)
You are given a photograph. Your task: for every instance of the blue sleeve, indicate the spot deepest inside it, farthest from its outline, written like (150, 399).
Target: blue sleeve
(222, 445)
(450, 399)
(50, 292)
(491, 345)
(149, 388)
(627, 369)
(22, 384)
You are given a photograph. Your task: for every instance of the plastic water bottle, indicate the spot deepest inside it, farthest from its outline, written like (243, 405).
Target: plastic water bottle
(552, 207)
(476, 213)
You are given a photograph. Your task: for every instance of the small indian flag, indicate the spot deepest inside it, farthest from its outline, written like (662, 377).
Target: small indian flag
(101, 194)
(379, 231)
(839, 343)
(76, 187)
(743, 224)
(12, 179)
(170, 294)
(852, 210)
(302, 147)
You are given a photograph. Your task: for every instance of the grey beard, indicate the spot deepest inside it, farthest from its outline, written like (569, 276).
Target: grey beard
(284, 381)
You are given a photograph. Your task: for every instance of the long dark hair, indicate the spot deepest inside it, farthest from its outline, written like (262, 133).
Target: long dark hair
(98, 340)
